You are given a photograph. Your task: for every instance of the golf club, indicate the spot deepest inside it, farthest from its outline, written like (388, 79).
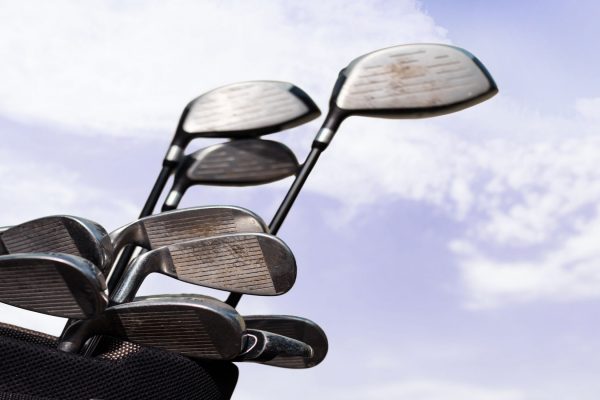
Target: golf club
(241, 162)
(191, 325)
(59, 234)
(408, 81)
(257, 263)
(57, 284)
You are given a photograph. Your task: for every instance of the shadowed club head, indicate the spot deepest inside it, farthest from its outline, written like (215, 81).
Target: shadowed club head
(235, 163)
(301, 329)
(195, 326)
(251, 263)
(59, 234)
(186, 224)
(242, 110)
(57, 284)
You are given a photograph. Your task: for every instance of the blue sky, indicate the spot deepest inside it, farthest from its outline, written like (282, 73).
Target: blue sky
(448, 258)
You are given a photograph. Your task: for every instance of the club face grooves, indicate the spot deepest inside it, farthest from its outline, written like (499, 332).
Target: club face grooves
(247, 109)
(55, 284)
(413, 81)
(195, 326)
(256, 264)
(241, 163)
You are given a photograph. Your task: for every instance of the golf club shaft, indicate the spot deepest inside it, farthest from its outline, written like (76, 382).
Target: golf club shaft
(234, 298)
(127, 252)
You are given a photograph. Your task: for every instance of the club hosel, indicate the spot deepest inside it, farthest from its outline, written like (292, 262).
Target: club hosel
(172, 200)
(139, 268)
(73, 337)
(334, 118)
(173, 156)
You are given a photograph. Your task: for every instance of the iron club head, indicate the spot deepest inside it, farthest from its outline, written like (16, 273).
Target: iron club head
(195, 326)
(59, 234)
(235, 163)
(57, 284)
(256, 263)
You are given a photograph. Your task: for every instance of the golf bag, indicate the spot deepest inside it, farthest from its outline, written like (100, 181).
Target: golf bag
(32, 369)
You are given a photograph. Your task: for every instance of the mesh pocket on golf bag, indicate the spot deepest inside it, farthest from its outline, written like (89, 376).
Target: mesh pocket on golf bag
(31, 367)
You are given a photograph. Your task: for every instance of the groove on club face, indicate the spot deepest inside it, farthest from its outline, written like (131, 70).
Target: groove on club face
(296, 328)
(60, 234)
(187, 224)
(247, 109)
(255, 264)
(242, 162)
(192, 325)
(416, 80)
(52, 283)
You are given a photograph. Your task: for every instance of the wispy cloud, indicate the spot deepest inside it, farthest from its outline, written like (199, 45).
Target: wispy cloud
(129, 69)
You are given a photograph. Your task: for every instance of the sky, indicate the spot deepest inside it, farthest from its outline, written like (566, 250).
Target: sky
(446, 258)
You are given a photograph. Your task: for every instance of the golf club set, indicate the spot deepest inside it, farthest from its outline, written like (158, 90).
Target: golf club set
(72, 267)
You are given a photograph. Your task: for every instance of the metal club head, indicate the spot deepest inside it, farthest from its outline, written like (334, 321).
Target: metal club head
(57, 284)
(264, 347)
(166, 228)
(408, 81)
(251, 263)
(235, 163)
(60, 234)
(301, 329)
(242, 110)
(195, 326)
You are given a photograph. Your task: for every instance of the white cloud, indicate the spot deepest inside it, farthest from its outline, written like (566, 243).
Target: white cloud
(588, 107)
(435, 390)
(36, 188)
(127, 69)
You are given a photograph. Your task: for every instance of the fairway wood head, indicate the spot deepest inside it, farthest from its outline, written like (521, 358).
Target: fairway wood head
(166, 228)
(297, 328)
(413, 81)
(56, 284)
(250, 263)
(242, 110)
(192, 325)
(59, 234)
(235, 163)
(407, 81)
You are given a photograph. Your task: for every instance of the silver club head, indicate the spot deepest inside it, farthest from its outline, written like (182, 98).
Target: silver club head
(59, 234)
(251, 263)
(195, 326)
(301, 329)
(242, 110)
(415, 80)
(166, 228)
(235, 163)
(57, 284)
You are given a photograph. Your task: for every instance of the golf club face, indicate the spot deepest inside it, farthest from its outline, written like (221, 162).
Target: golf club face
(186, 224)
(412, 81)
(257, 264)
(56, 284)
(192, 325)
(297, 328)
(60, 234)
(242, 110)
(243, 162)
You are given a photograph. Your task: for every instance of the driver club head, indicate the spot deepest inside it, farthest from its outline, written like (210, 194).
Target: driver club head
(166, 228)
(250, 263)
(192, 325)
(301, 329)
(57, 284)
(59, 234)
(236, 163)
(242, 110)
